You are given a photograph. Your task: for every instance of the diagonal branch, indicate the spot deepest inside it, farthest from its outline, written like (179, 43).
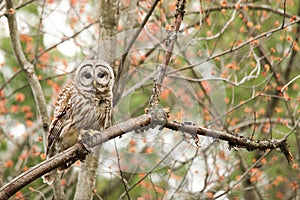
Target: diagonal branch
(179, 13)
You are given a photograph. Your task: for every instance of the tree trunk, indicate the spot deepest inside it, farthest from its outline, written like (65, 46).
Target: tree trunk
(108, 27)
(87, 176)
(109, 17)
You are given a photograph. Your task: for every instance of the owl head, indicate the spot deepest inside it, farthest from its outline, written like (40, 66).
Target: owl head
(94, 75)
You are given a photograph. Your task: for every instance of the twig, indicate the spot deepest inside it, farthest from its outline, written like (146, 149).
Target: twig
(39, 31)
(246, 173)
(124, 183)
(10, 79)
(249, 123)
(291, 81)
(134, 37)
(65, 39)
(254, 125)
(275, 10)
(20, 6)
(1, 173)
(284, 13)
(151, 170)
(262, 35)
(294, 56)
(27, 85)
(226, 25)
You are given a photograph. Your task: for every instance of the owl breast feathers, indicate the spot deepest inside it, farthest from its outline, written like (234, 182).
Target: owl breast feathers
(86, 103)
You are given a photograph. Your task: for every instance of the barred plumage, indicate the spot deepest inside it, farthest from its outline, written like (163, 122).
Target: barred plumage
(85, 103)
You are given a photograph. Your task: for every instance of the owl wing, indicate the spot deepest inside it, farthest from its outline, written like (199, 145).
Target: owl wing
(63, 107)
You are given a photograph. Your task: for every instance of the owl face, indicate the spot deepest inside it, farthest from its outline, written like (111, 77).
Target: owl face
(94, 75)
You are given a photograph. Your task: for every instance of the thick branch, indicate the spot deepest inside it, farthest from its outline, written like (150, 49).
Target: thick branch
(72, 154)
(69, 155)
(93, 138)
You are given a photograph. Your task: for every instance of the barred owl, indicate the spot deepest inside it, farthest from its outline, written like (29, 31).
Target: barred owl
(86, 103)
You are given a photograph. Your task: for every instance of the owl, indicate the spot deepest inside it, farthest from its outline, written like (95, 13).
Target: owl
(85, 103)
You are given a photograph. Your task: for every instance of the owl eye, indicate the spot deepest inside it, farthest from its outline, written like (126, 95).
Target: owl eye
(100, 75)
(85, 75)
(88, 75)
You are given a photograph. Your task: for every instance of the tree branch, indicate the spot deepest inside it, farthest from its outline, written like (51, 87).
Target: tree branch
(27, 66)
(156, 117)
(78, 151)
(170, 42)
(234, 140)
(69, 155)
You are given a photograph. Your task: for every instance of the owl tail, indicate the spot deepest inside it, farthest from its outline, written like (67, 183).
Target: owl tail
(49, 177)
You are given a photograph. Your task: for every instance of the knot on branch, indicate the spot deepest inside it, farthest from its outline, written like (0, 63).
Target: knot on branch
(29, 69)
(158, 118)
(283, 146)
(240, 141)
(159, 115)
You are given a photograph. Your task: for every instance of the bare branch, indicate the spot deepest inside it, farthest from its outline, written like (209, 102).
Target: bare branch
(245, 174)
(234, 140)
(10, 79)
(235, 48)
(19, 6)
(94, 138)
(170, 46)
(72, 154)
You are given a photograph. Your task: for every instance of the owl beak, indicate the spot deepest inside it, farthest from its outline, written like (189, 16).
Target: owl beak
(95, 84)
